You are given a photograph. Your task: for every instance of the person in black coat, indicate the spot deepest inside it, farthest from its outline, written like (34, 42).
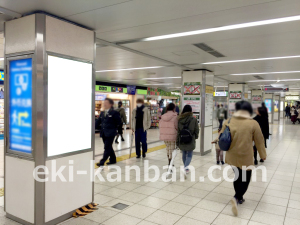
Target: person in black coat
(263, 122)
(108, 123)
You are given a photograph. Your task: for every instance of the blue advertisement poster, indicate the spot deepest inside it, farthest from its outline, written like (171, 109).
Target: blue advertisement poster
(268, 103)
(131, 89)
(20, 105)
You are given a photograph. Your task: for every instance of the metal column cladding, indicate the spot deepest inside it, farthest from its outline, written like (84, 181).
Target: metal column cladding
(20, 105)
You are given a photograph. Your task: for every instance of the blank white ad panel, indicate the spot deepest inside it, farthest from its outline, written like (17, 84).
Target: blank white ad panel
(69, 105)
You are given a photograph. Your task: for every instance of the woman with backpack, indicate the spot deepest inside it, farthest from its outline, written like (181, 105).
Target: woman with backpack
(188, 132)
(168, 126)
(243, 131)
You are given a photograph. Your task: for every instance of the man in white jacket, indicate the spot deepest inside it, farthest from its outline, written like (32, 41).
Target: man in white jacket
(140, 122)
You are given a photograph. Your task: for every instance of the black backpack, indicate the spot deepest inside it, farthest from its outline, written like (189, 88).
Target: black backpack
(185, 134)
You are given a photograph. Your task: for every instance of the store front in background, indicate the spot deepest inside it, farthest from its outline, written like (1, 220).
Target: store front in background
(126, 94)
(156, 100)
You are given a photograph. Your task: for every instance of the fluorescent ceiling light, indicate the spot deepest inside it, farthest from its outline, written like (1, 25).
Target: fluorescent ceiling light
(238, 74)
(139, 68)
(160, 78)
(229, 27)
(258, 59)
(273, 80)
(1, 59)
(220, 86)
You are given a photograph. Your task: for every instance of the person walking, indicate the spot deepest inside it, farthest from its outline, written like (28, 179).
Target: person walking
(244, 130)
(140, 122)
(108, 124)
(287, 111)
(188, 132)
(294, 114)
(168, 126)
(121, 110)
(221, 116)
(266, 112)
(298, 118)
(262, 120)
(219, 152)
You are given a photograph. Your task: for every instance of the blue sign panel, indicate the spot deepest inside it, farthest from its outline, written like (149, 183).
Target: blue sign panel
(131, 89)
(20, 105)
(268, 103)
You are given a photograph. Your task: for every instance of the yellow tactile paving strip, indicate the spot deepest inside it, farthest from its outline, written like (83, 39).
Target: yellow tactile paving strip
(133, 154)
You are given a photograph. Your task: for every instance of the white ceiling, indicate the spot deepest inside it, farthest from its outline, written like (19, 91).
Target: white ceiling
(122, 20)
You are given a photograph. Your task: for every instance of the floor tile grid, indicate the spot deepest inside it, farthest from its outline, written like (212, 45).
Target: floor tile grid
(268, 182)
(288, 206)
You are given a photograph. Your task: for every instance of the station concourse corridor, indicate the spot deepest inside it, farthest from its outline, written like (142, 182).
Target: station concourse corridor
(165, 74)
(276, 201)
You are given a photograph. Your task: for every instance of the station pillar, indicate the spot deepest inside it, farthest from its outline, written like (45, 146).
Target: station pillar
(49, 118)
(236, 92)
(256, 99)
(197, 91)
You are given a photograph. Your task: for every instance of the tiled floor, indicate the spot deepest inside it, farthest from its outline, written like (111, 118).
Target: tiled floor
(276, 201)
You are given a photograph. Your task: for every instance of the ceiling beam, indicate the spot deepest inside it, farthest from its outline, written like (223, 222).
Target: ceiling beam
(107, 43)
(10, 13)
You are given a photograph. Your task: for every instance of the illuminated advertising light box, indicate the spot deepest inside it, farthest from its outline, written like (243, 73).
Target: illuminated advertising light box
(20, 105)
(268, 103)
(69, 119)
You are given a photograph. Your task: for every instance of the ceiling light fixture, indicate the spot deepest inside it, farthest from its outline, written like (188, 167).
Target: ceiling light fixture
(139, 68)
(220, 86)
(229, 27)
(240, 74)
(160, 78)
(249, 60)
(273, 80)
(1, 59)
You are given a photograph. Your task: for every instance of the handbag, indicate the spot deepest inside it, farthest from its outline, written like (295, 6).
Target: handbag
(225, 138)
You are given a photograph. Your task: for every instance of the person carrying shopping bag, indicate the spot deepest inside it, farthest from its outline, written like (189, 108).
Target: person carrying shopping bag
(188, 132)
(168, 126)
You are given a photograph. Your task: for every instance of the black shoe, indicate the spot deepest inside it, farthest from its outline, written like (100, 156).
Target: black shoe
(144, 155)
(270, 134)
(222, 162)
(261, 160)
(218, 162)
(116, 141)
(138, 156)
(110, 163)
(255, 162)
(241, 201)
(122, 139)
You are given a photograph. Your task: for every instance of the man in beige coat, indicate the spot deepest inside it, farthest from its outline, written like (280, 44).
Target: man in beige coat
(140, 123)
(244, 130)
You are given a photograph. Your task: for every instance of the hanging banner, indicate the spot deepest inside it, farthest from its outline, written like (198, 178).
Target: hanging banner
(192, 88)
(235, 95)
(20, 105)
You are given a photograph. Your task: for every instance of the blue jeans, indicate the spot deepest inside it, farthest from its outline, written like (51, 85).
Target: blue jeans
(187, 158)
(140, 137)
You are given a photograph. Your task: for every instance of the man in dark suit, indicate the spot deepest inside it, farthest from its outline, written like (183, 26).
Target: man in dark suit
(108, 123)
